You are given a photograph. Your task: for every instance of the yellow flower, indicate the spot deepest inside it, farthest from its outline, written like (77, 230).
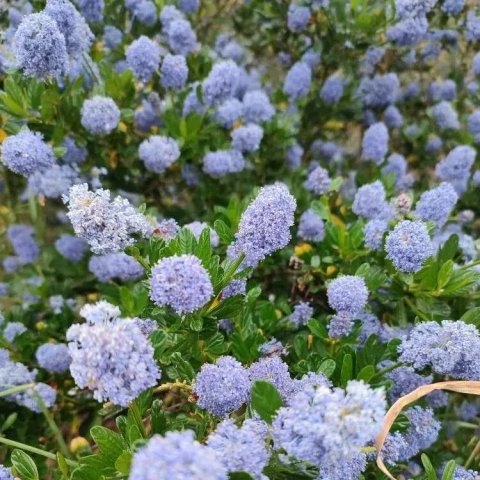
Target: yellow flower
(78, 443)
(331, 269)
(302, 249)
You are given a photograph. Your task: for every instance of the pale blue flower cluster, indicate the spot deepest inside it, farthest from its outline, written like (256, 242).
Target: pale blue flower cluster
(54, 181)
(455, 167)
(100, 115)
(23, 243)
(408, 31)
(178, 456)
(397, 164)
(113, 359)
(53, 357)
(370, 202)
(329, 427)
(311, 227)
(75, 154)
(302, 312)
(445, 116)
(393, 117)
(472, 27)
(298, 17)
(92, 10)
(257, 107)
(450, 348)
(189, 6)
(174, 72)
(347, 293)
(39, 47)
(332, 89)
(408, 245)
(180, 282)
(373, 233)
(180, 37)
(26, 153)
(247, 138)
(222, 162)
(265, 225)
(340, 324)
(107, 226)
(115, 266)
(229, 112)
(158, 153)
(12, 330)
(375, 143)
(221, 83)
(241, 449)
(112, 36)
(318, 181)
(294, 156)
(379, 91)
(223, 387)
(72, 25)
(143, 57)
(15, 374)
(71, 247)
(6, 473)
(274, 371)
(436, 205)
(297, 82)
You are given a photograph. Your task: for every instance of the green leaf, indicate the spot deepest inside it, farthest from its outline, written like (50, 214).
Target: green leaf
(111, 444)
(62, 465)
(187, 241)
(239, 476)
(223, 232)
(204, 248)
(179, 368)
(9, 421)
(159, 422)
(327, 367)
(265, 400)
(347, 370)
(24, 465)
(429, 470)
(123, 463)
(448, 250)
(449, 471)
(366, 373)
(472, 316)
(445, 273)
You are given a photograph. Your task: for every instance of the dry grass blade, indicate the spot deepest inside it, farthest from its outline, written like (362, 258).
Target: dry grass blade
(470, 387)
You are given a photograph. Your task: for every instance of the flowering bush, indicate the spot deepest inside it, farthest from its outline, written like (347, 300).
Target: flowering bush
(235, 234)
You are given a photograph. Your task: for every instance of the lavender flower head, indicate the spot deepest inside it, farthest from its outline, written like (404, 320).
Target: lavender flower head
(318, 181)
(100, 115)
(222, 162)
(229, 112)
(92, 10)
(174, 72)
(294, 156)
(436, 205)
(39, 47)
(221, 83)
(75, 154)
(325, 427)
(143, 57)
(455, 167)
(265, 225)
(247, 138)
(380, 91)
(274, 371)
(311, 228)
(158, 153)
(177, 456)
(106, 225)
(340, 324)
(72, 25)
(100, 313)
(375, 143)
(54, 181)
(298, 17)
(26, 153)
(347, 293)
(23, 243)
(180, 282)
(12, 330)
(54, 358)
(445, 116)
(332, 89)
(241, 449)
(115, 266)
(297, 82)
(71, 247)
(6, 473)
(450, 348)
(257, 107)
(181, 37)
(113, 359)
(408, 245)
(373, 233)
(370, 202)
(222, 388)
(302, 312)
